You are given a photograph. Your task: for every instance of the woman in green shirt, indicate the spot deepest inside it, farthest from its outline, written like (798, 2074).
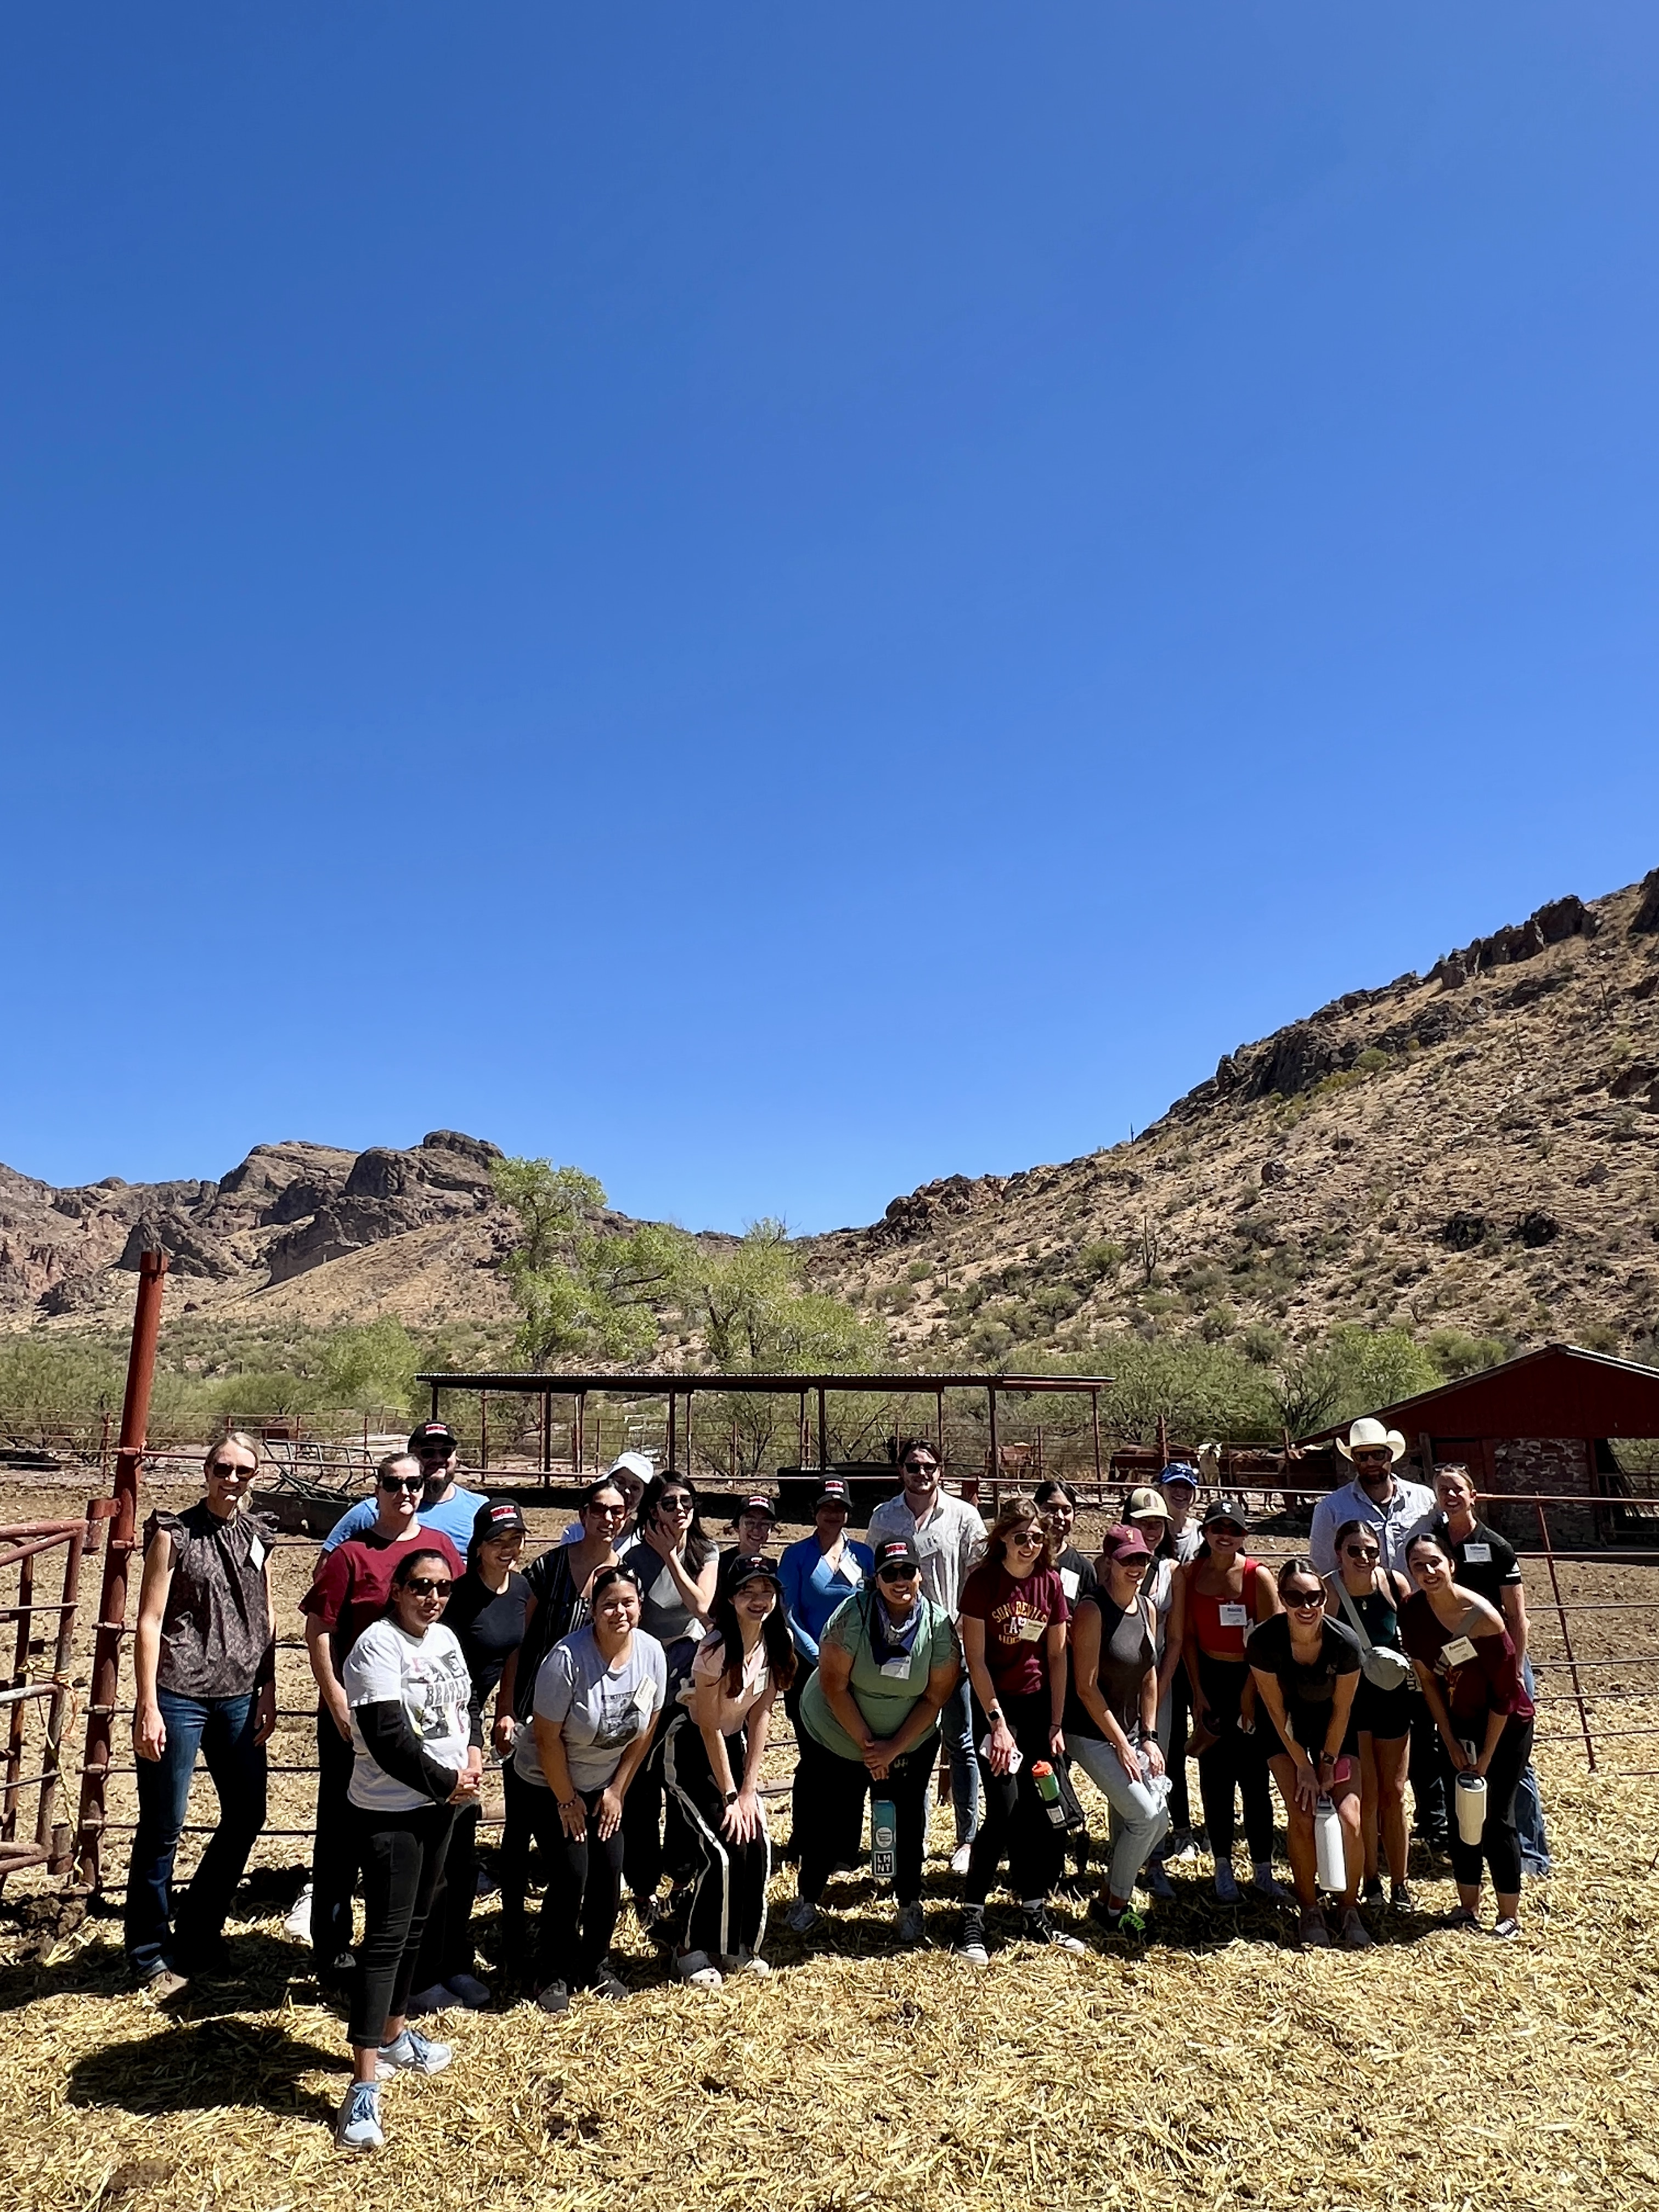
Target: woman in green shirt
(888, 1660)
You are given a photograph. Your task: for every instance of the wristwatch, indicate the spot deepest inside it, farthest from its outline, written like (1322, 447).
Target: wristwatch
(731, 1796)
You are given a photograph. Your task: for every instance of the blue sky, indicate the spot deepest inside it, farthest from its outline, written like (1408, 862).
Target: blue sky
(778, 601)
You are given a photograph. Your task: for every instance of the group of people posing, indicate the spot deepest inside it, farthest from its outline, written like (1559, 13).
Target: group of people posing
(628, 1681)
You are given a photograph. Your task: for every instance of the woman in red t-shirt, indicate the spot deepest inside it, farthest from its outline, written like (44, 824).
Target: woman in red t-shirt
(1471, 1677)
(1014, 1617)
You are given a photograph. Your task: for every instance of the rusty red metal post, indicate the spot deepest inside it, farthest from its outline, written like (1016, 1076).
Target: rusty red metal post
(112, 1605)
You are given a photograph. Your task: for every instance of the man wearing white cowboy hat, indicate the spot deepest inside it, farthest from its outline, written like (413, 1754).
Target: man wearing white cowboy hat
(1376, 1496)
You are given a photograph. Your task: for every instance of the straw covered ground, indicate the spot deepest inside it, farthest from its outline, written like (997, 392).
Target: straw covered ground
(1214, 2066)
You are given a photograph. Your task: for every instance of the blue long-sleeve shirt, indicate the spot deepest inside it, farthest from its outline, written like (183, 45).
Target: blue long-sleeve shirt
(812, 1590)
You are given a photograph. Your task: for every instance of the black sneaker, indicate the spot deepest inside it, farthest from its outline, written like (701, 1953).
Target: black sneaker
(553, 1997)
(971, 1937)
(1039, 1929)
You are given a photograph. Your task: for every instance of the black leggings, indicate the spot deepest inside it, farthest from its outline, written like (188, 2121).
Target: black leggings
(654, 1830)
(728, 1906)
(446, 1948)
(583, 1894)
(829, 1794)
(402, 1856)
(1235, 1760)
(1500, 1846)
(1014, 1822)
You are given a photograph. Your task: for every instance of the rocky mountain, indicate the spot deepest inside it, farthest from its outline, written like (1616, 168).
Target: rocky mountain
(1472, 1148)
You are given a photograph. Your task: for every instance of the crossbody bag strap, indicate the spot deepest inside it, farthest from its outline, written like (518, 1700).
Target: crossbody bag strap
(1353, 1611)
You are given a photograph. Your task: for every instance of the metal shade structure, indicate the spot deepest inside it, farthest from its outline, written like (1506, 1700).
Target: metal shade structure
(673, 1387)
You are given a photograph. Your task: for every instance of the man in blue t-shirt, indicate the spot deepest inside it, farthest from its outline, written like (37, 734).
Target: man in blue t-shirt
(444, 1505)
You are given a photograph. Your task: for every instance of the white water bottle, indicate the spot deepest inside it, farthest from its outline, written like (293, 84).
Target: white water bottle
(1333, 1866)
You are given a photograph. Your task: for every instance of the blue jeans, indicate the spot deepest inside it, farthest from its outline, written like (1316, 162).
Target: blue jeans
(1528, 1807)
(957, 1731)
(222, 1729)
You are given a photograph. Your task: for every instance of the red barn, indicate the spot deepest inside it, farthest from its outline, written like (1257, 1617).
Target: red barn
(1545, 1422)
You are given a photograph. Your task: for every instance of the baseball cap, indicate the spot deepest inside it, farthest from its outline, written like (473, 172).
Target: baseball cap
(430, 1433)
(760, 1568)
(1178, 1471)
(499, 1517)
(1144, 1505)
(1123, 1543)
(758, 1504)
(896, 1552)
(832, 1494)
(1226, 1508)
(632, 1463)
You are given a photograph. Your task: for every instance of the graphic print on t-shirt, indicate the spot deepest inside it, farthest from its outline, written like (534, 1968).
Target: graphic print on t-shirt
(435, 1697)
(1017, 1620)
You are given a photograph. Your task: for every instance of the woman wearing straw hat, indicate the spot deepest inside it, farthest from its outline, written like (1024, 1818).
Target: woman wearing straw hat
(1111, 1716)
(1306, 1668)
(597, 1697)
(888, 1663)
(1467, 1665)
(415, 1761)
(1226, 1595)
(1365, 1595)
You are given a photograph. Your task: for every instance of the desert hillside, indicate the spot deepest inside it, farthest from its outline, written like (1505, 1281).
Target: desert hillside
(1470, 1149)
(1474, 1149)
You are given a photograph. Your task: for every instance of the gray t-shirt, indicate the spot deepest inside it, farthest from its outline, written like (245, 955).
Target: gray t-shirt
(602, 1709)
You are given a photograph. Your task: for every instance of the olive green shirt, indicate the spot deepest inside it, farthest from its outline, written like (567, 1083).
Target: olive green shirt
(884, 1699)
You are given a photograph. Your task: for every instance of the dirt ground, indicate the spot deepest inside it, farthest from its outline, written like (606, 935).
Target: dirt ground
(1213, 2065)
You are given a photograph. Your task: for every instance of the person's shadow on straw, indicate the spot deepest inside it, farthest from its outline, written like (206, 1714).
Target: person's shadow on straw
(210, 2065)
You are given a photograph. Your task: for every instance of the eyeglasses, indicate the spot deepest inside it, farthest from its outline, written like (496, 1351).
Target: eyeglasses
(421, 1587)
(1302, 1600)
(403, 1482)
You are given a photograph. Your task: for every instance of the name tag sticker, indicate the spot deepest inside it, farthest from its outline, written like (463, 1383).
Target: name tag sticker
(1069, 1579)
(644, 1696)
(1235, 1616)
(1458, 1652)
(258, 1553)
(898, 1668)
(1030, 1631)
(1477, 1555)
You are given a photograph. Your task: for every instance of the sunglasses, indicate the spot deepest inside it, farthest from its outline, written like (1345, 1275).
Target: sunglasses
(421, 1586)
(921, 1467)
(227, 1472)
(1030, 1543)
(681, 1504)
(1303, 1600)
(898, 1574)
(403, 1482)
(609, 1512)
(1361, 1551)
(1373, 1459)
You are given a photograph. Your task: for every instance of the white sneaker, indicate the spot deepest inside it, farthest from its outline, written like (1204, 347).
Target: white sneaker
(298, 1923)
(1226, 1883)
(412, 2054)
(960, 1856)
(358, 2126)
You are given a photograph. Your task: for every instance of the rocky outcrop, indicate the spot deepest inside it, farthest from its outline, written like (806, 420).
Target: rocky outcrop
(1561, 919)
(445, 1177)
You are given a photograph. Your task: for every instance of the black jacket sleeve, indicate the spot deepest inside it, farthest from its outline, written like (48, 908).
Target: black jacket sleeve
(393, 1746)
